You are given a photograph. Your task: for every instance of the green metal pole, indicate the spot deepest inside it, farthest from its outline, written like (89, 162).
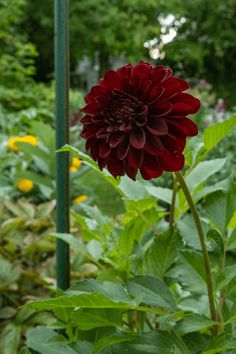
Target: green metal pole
(62, 138)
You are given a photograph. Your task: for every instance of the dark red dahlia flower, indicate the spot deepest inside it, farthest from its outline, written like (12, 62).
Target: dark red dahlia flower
(135, 119)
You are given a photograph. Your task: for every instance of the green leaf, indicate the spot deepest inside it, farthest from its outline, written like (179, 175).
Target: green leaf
(45, 133)
(164, 194)
(74, 242)
(94, 248)
(88, 231)
(207, 190)
(89, 162)
(25, 350)
(87, 319)
(16, 208)
(193, 323)
(40, 157)
(232, 223)
(202, 172)
(189, 270)
(9, 272)
(220, 344)
(215, 133)
(217, 240)
(87, 301)
(111, 340)
(162, 253)
(224, 278)
(155, 342)
(132, 190)
(188, 232)
(11, 224)
(45, 340)
(141, 215)
(113, 291)
(220, 207)
(7, 312)
(10, 339)
(152, 291)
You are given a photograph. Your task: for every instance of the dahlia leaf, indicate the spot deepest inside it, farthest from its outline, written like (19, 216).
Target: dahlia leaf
(164, 194)
(88, 301)
(152, 291)
(114, 291)
(188, 232)
(162, 253)
(203, 171)
(87, 319)
(225, 277)
(220, 207)
(221, 343)
(215, 237)
(193, 323)
(215, 133)
(51, 343)
(154, 342)
(190, 272)
(108, 341)
(132, 190)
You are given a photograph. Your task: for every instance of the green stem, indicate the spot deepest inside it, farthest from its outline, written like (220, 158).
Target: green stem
(173, 200)
(202, 242)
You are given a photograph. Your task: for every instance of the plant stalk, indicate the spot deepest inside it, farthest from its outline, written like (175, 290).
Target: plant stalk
(173, 200)
(202, 242)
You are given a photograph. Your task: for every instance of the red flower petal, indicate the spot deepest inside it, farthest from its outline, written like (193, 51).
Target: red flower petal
(160, 74)
(184, 85)
(135, 158)
(93, 148)
(157, 126)
(155, 94)
(185, 104)
(115, 166)
(101, 163)
(174, 144)
(92, 108)
(153, 145)
(116, 138)
(183, 126)
(104, 149)
(171, 162)
(112, 80)
(131, 171)
(151, 168)
(142, 69)
(137, 138)
(160, 109)
(122, 149)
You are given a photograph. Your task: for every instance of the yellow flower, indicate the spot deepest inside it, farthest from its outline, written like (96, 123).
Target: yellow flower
(76, 162)
(24, 185)
(73, 169)
(11, 144)
(80, 199)
(29, 139)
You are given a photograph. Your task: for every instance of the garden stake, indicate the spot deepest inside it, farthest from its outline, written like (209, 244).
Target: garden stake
(62, 138)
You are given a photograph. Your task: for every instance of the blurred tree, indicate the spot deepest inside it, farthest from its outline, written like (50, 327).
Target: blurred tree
(103, 29)
(111, 28)
(16, 53)
(98, 28)
(205, 46)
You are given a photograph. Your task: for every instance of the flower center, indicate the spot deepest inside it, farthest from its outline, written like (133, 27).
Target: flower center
(125, 109)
